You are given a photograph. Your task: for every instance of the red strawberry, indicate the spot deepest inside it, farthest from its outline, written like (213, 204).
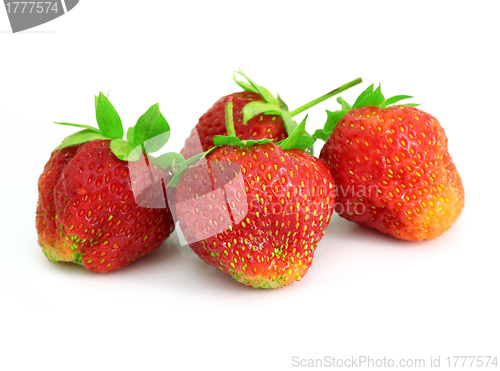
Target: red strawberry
(212, 123)
(392, 167)
(256, 210)
(96, 209)
(257, 115)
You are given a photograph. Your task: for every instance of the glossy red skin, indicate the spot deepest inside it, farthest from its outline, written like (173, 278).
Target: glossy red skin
(393, 166)
(86, 194)
(280, 209)
(213, 123)
(48, 232)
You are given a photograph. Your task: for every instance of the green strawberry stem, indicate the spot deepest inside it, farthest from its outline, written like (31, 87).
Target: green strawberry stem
(231, 132)
(326, 96)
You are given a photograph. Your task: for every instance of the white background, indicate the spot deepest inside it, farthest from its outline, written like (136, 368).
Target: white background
(365, 294)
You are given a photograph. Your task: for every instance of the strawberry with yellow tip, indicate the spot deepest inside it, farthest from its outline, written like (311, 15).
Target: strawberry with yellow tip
(392, 167)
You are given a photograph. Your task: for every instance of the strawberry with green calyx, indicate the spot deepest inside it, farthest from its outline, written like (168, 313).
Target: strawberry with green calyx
(258, 115)
(101, 202)
(255, 209)
(391, 167)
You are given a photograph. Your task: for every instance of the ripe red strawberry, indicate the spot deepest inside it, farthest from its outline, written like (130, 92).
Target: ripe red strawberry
(96, 209)
(392, 168)
(212, 123)
(257, 115)
(256, 210)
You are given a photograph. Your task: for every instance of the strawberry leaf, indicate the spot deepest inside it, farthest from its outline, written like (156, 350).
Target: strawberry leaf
(244, 85)
(298, 138)
(332, 121)
(255, 108)
(80, 137)
(374, 99)
(289, 124)
(305, 143)
(282, 104)
(222, 140)
(184, 165)
(366, 92)
(368, 98)
(345, 106)
(130, 134)
(151, 129)
(266, 94)
(321, 134)
(108, 119)
(263, 92)
(170, 159)
(124, 150)
(394, 99)
(79, 126)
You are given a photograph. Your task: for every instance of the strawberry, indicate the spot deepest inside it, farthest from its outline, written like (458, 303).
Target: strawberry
(256, 209)
(391, 167)
(257, 115)
(101, 203)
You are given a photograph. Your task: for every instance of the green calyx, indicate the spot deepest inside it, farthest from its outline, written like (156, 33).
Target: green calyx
(298, 138)
(368, 98)
(276, 106)
(150, 133)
